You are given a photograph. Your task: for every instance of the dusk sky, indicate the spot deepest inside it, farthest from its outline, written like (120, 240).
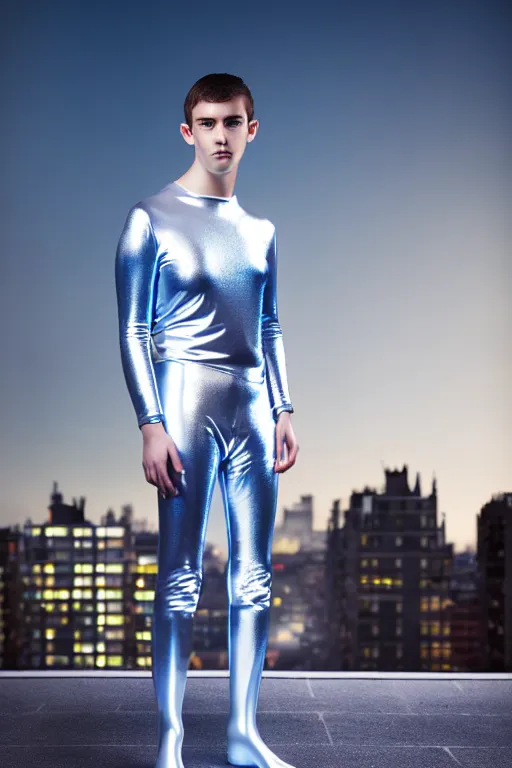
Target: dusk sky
(383, 159)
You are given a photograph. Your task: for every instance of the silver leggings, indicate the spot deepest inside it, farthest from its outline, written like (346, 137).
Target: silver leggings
(223, 427)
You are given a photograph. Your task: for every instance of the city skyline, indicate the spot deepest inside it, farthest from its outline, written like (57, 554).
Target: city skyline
(382, 166)
(143, 523)
(384, 590)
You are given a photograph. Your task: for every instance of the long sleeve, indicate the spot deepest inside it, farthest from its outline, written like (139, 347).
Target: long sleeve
(135, 267)
(272, 339)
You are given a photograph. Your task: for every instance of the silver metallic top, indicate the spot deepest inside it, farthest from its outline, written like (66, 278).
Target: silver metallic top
(196, 280)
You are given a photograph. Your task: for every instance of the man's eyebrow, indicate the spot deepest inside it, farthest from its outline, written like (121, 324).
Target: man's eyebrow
(228, 117)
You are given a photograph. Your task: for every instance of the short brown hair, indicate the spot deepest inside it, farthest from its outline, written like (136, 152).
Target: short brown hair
(216, 88)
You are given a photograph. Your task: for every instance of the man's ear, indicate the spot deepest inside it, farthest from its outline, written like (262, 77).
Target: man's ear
(253, 130)
(187, 133)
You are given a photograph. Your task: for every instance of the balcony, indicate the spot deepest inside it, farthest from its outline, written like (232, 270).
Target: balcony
(52, 719)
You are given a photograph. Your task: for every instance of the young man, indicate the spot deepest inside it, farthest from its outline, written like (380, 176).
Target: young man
(203, 358)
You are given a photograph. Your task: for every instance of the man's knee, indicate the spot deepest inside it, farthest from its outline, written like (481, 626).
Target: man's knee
(179, 590)
(251, 586)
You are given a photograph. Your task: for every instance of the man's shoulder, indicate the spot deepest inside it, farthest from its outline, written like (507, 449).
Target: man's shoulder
(160, 199)
(263, 222)
(149, 207)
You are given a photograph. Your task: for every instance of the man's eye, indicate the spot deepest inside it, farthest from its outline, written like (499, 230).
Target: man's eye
(208, 123)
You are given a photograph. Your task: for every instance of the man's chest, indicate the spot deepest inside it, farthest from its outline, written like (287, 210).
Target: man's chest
(197, 251)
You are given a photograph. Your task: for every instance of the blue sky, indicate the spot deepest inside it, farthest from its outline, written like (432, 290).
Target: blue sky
(381, 159)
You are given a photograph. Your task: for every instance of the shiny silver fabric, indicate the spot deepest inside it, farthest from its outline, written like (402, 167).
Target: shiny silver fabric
(202, 351)
(196, 281)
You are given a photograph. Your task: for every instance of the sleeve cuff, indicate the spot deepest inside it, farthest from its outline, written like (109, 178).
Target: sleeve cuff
(151, 420)
(280, 408)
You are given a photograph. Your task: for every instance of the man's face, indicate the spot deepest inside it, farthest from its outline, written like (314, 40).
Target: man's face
(220, 127)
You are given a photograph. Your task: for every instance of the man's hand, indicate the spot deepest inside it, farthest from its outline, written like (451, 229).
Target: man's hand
(286, 435)
(158, 448)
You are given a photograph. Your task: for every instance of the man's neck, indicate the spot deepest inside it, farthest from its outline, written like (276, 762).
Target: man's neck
(208, 185)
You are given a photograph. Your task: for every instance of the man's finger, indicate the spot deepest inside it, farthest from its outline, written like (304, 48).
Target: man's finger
(290, 458)
(279, 445)
(176, 461)
(151, 476)
(281, 457)
(293, 453)
(164, 482)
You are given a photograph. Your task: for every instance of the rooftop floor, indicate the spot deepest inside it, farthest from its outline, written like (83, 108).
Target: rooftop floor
(348, 720)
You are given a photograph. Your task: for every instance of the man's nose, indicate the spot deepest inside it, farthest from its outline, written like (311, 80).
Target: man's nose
(221, 137)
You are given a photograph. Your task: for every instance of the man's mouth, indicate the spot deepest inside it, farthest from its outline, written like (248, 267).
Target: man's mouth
(223, 154)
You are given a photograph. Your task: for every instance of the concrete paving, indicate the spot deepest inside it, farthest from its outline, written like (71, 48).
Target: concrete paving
(111, 722)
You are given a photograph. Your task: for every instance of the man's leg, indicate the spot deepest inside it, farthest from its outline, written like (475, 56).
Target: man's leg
(182, 529)
(249, 487)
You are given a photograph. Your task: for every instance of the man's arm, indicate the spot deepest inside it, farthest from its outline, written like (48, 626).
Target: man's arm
(272, 339)
(135, 266)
